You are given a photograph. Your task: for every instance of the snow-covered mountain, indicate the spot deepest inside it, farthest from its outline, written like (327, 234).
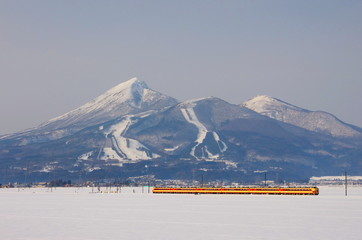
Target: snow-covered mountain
(191, 129)
(116, 146)
(132, 96)
(132, 130)
(316, 121)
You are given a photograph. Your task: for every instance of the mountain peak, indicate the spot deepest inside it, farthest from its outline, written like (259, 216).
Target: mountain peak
(131, 83)
(128, 97)
(262, 103)
(315, 121)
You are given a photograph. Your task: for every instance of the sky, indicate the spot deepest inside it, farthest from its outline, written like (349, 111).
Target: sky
(57, 55)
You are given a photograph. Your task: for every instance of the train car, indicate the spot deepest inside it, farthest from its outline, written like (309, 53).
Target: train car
(242, 190)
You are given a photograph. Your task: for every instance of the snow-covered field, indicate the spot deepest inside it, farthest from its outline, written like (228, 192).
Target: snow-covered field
(72, 213)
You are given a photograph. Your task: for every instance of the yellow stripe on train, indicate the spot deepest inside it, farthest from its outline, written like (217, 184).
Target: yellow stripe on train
(245, 190)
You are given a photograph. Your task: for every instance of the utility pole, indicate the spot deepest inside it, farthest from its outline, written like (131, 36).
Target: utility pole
(265, 179)
(193, 177)
(345, 182)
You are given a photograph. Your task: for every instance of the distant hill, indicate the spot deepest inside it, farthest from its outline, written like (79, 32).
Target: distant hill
(316, 121)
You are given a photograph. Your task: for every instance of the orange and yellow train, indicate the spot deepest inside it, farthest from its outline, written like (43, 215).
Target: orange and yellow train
(242, 190)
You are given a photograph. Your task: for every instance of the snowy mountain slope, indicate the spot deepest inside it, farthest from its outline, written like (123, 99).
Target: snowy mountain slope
(127, 148)
(177, 133)
(315, 121)
(133, 131)
(210, 129)
(190, 116)
(119, 147)
(129, 97)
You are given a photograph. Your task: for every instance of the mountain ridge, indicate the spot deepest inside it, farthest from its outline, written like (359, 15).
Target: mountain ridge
(129, 97)
(317, 121)
(131, 126)
(132, 94)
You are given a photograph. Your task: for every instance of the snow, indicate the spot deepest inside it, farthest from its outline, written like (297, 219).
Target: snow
(123, 149)
(127, 148)
(130, 92)
(85, 156)
(150, 96)
(172, 149)
(5, 136)
(316, 121)
(342, 178)
(126, 85)
(109, 153)
(262, 103)
(217, 139)
(77, 214)
(47, 169)
(190, 116)
(91, 169)
(193, 101)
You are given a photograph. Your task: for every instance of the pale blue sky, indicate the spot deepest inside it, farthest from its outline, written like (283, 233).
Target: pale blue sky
(57, 55)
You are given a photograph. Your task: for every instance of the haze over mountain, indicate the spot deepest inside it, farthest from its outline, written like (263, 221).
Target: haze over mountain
(133, 131)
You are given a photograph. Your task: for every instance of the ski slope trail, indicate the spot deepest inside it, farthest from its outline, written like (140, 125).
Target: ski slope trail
(190, 116)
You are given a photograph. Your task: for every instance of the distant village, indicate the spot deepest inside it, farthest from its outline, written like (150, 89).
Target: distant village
(150, 181)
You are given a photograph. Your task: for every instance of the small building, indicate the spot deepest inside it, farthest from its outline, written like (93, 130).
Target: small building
(336, 180)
